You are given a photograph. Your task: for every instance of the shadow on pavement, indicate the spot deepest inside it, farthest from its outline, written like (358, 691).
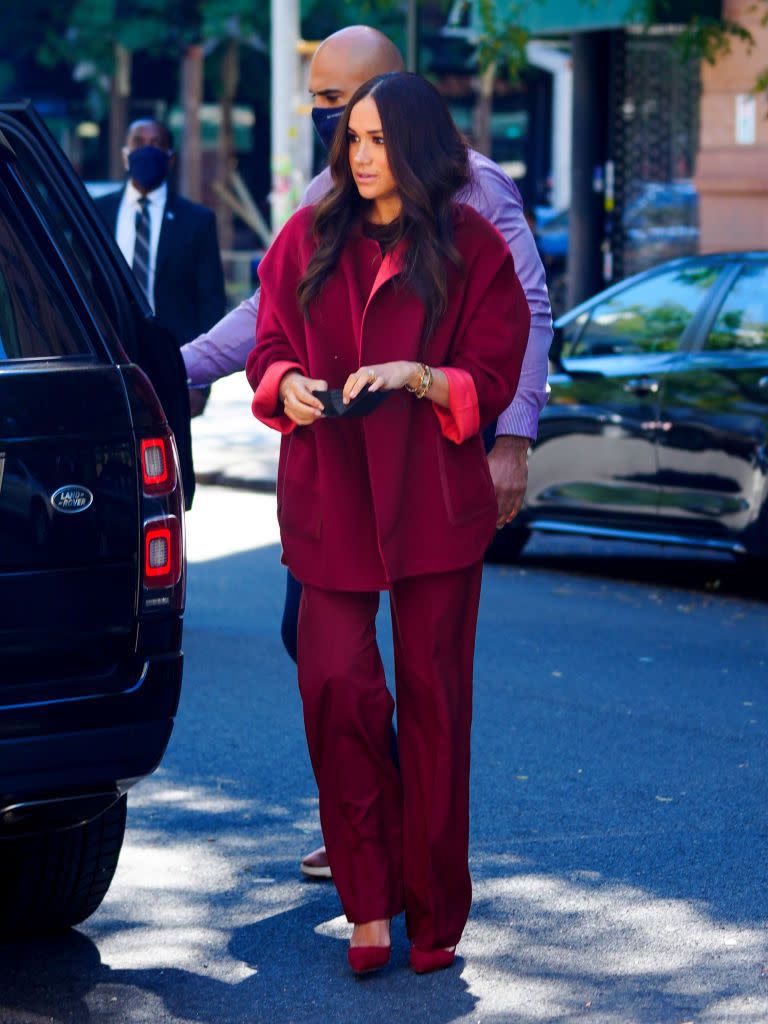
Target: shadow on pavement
(311, 984)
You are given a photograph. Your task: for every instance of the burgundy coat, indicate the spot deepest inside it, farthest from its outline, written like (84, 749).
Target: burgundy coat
(405, 490)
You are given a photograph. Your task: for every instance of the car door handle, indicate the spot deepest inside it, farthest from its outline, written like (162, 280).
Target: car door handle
(642, 386)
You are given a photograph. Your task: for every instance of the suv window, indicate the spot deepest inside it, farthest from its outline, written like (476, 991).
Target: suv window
(36, 319)
(80, 258)
(647, 317)
(742, 322)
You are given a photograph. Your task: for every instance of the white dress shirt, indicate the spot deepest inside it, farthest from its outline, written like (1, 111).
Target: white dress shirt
(125, 232)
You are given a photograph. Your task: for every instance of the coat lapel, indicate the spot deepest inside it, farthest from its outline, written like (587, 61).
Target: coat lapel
(392, 265)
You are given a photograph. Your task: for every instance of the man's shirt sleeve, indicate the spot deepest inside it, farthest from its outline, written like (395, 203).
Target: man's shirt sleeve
(498, 199)
(225, 347)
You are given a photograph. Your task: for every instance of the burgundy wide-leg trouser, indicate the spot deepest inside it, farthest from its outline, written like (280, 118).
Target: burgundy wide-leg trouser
(394, 840)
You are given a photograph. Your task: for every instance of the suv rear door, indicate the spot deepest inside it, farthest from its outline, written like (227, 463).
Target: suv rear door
(69, 587)
(68, 478)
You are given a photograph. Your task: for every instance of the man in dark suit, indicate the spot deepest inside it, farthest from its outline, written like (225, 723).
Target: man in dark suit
(170, 242)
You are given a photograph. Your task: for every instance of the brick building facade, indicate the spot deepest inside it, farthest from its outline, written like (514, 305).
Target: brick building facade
(732, 162)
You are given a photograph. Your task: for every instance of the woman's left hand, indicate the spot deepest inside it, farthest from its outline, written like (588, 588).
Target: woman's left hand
(379, 377)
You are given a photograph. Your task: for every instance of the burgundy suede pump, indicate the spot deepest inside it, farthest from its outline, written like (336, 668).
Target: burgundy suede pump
(423, 961)
(364, 959)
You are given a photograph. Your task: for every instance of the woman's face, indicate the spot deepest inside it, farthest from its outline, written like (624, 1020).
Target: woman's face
(368, 153)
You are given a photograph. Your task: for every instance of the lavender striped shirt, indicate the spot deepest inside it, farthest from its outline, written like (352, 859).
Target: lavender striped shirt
(225, 347)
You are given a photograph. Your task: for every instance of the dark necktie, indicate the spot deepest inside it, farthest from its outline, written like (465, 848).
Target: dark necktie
(141, 248)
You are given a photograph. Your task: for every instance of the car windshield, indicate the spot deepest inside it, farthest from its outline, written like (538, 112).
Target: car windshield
(648, 316)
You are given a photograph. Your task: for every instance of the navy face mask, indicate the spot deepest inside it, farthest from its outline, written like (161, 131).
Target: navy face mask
(325, 120)
(148, 166)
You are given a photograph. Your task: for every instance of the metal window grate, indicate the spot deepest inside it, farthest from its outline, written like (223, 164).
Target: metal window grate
(655, 125)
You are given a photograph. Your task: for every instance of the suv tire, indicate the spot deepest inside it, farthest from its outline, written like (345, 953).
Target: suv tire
(52, 881)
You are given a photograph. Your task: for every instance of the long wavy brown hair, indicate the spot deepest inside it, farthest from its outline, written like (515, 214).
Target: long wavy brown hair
(430, 163)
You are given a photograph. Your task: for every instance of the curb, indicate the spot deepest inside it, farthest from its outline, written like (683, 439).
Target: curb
(240, 483)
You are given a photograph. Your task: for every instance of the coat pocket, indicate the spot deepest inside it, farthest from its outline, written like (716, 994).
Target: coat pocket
(468, 489)
(298, 503)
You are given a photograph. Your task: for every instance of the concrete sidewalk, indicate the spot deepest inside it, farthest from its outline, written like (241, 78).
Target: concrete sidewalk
(230, 447)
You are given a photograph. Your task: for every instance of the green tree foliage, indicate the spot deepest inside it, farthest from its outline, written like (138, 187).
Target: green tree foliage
(242, 19)
(319, 18)
(711, 38)
(83, 33)
(23, 31)
(93, 27)
(502, 41)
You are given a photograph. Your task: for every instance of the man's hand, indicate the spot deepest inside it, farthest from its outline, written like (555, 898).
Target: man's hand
(508, 463)
(197, 399)
(299, 404)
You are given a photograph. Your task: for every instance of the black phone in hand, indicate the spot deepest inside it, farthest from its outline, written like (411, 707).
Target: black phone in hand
(362, 405)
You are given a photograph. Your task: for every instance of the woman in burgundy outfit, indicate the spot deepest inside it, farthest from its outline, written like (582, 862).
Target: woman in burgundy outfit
(387, 286)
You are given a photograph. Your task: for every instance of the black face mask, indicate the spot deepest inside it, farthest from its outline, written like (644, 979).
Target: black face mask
(325, 120)
(148, 166)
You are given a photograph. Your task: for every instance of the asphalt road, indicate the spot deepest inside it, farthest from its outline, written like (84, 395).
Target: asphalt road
(619, 812)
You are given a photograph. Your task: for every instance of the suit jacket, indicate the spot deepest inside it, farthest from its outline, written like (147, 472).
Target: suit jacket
(406, 490)
(189, 280)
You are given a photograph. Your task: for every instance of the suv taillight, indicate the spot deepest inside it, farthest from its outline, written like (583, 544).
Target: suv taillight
(162, 551)
(158, 467)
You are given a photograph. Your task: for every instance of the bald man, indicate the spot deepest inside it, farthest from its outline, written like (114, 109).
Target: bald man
(341, 64)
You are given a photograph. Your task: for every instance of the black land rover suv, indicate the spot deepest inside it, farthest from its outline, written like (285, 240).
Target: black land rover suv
(93, 405)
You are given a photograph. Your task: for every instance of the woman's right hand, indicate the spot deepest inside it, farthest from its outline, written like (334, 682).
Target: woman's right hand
(299, 404)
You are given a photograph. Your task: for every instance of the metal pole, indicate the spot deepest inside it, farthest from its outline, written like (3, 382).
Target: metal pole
(285, 36)
(591, 91)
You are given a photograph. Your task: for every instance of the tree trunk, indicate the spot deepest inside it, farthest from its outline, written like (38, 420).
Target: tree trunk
(120, 91)
(230, 75)
(483, 109)
(190, 169)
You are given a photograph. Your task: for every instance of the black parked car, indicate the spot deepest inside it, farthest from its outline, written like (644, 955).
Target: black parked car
(91, 536)
(657, 423)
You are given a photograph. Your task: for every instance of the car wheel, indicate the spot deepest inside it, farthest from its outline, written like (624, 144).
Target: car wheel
(755, 560)
(52, 881)
(507, 545)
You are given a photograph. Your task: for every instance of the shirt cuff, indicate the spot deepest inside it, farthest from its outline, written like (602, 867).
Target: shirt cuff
(521, 417)
(462, 417)
(520, 420)
(266, 400)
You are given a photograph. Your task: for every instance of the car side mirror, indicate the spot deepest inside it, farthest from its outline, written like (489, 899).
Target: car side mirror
(556, 364)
